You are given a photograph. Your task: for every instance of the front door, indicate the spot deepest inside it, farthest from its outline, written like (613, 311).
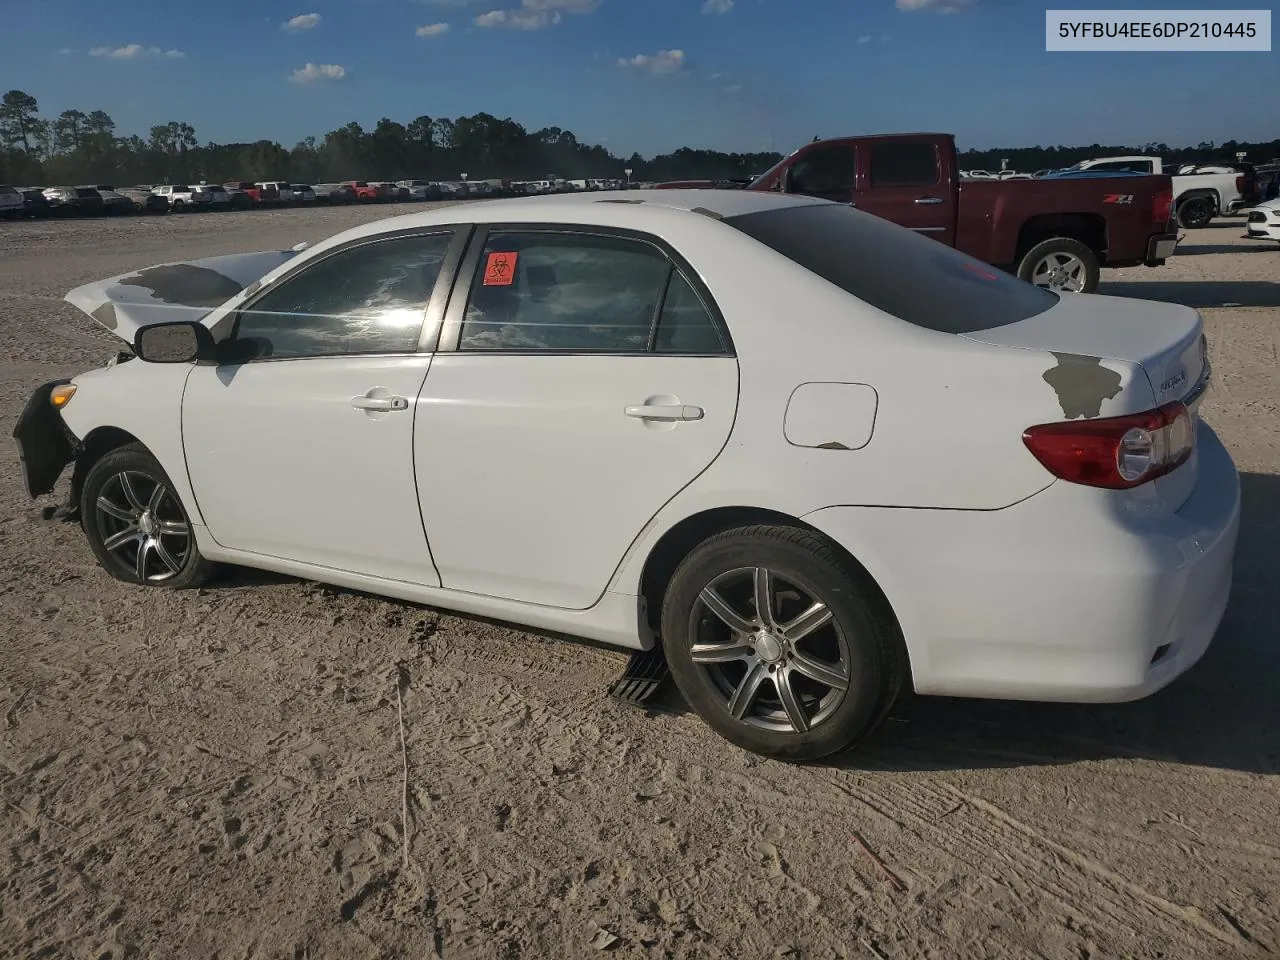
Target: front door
(304, 452)
(589, 385)
(902, 180)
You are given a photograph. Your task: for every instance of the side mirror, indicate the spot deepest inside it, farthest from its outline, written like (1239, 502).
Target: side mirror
(182, 341)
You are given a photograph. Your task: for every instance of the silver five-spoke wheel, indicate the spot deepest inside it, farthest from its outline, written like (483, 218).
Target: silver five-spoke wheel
(1061, 272)
(772, 648)
(142, 526)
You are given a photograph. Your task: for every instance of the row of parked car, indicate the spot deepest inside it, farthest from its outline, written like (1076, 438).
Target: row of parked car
(105, 199)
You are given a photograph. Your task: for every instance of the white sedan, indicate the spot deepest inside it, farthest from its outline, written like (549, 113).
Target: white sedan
(803, 454)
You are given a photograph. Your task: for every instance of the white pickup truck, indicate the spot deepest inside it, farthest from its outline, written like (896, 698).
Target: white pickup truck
(1200, 191)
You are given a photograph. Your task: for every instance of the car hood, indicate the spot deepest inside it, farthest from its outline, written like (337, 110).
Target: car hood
(187, 290)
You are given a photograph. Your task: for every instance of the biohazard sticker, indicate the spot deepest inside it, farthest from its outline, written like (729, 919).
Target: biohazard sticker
(500, 269)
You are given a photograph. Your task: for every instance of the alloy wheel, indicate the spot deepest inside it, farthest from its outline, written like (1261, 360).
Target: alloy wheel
(771, 648)
(1061, 272)
(142, 526)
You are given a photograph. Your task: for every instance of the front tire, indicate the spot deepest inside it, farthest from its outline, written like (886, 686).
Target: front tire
(136, 526)
(778, 642)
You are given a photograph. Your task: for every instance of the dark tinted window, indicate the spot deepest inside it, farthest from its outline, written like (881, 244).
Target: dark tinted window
(900, 272)
(564, 293)
(87, 192)
(824, 171)
(371, 299)
(685, 325)
(904, 163)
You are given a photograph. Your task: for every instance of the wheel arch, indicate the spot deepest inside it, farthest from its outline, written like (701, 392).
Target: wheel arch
(97, 443)
(1088, 228)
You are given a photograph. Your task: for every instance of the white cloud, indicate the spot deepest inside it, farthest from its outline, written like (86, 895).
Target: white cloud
(314, 72)
(431, 30)
(64, 51)
(134, 51)
(519, 19)
(304, 21)
(534, 14)
(864, 40)
(717, 6)
(733, 88)
(661, 63)
(939, 6)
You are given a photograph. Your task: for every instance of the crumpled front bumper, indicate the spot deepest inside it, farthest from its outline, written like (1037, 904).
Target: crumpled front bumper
(45, 443)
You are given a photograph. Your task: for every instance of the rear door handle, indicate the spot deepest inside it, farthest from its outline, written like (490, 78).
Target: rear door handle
(930, 201)
(380, 403)
(662, 411)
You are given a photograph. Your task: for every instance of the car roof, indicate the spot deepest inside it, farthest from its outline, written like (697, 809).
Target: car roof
(663, 213)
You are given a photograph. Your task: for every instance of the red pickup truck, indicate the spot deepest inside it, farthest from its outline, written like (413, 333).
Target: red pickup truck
(1054, 233)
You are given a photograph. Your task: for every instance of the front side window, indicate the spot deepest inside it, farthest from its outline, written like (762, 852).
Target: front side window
(370, 299)
(564, 292)
(904, 163)
(824, 171)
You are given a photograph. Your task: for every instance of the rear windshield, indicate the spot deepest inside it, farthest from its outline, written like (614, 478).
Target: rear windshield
(897, 270)
(87, 192)
(8, 190)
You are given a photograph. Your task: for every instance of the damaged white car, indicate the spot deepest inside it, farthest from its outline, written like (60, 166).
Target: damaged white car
(1264, 222)
(795, 454)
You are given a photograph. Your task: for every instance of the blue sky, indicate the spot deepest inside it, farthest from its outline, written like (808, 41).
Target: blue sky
(643, 75)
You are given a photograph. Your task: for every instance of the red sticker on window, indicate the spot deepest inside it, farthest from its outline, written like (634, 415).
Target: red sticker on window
(500, 269)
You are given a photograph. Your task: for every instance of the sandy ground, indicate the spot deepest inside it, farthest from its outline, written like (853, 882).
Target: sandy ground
(219, 773)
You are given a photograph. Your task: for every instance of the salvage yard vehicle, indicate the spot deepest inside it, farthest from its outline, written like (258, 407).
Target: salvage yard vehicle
(71, 201)
(183, 197)
(1264, 221)
(1200, 192)
(801, 455)
(1054, 234)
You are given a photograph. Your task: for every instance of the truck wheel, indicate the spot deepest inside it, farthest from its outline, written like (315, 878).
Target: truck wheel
(1062, 265)
(1195, 212)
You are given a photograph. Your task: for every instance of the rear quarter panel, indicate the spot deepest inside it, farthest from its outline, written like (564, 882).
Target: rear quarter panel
(992, 213)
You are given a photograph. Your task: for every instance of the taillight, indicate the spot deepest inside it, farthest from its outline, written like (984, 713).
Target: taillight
(1242, 184)
(1162, 205)
(1116, 453)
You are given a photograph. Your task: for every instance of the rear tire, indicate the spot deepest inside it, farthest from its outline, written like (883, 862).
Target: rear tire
(135, 524)
(1061, 264)
(810, 675)
(1195, 212)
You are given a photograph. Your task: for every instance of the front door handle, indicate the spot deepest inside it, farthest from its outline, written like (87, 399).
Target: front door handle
(930, 201)
(380, 403)
(664, 411)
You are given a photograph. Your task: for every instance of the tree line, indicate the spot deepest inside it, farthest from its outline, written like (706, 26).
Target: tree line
(77, 147)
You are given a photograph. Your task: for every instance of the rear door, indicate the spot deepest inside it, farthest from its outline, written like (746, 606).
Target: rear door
(909, 181)
(583, 379)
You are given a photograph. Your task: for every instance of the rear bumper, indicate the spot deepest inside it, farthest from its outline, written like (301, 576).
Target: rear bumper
(1071, 595)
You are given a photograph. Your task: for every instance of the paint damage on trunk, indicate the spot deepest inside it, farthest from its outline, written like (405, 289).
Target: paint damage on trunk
(1082, 384)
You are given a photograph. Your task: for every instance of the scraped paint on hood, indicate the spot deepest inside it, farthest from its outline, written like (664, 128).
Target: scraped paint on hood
(189, 290)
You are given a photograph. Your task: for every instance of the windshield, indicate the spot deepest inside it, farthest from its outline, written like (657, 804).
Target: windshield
(907, 275)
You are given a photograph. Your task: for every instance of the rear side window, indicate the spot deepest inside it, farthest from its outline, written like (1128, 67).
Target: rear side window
(86, 192)
(896, 270)
(564, 293)
(904, 163)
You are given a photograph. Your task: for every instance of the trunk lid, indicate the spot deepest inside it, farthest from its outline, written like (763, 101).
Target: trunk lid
(188, 290)
(1165, 341)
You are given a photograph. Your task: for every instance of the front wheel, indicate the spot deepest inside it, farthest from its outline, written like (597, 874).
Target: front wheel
(136, 525)
(1062, 265)
(778, 642)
